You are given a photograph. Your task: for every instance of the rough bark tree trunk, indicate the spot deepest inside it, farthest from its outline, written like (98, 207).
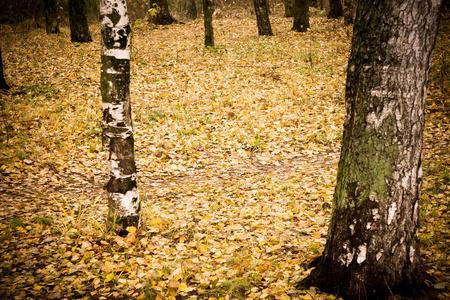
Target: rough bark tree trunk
(262, 17)
(3, 84)
(51, 16)
(123, 196)
(373, 245)
(301, 15)
(160, 14)
(288, 8)
(79, 29)
(191, 10)
(336, 10)
(208, 10)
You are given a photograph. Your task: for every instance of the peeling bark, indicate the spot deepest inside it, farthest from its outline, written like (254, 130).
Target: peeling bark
(123, 196)
(262, 17)
(373, 245)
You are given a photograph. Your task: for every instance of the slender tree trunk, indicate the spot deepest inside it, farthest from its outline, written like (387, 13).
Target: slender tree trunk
(336, 10)
(301, 15)
(79, 29)
(51, 16)
(348, 12)
(123, 196)
(191, 9)
(288, 8)
(262, 17)
(373, 246)
(160, 14)
(3, 84)
(208, 10)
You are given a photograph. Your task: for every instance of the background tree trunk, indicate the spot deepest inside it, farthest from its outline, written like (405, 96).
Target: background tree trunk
(160, 14)
(51, 16)
(123, 196)
(348, 11)
(288, 8)
(336, 10)
(373, 245)
(191, 10)
(301, 15)
(208, 10)
(262, 17)
(79, 29)
(3, 84)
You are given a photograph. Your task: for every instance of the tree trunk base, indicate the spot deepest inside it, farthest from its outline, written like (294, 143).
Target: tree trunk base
(348, 285)
(120, 226)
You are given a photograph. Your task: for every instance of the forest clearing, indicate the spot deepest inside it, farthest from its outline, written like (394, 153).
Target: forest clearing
(237, 148)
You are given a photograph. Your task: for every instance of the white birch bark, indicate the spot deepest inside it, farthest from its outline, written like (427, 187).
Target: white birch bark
(373, 247)
(123, 196)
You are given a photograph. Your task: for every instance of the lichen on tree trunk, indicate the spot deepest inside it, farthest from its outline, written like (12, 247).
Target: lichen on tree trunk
(123, 196)
(373, 246)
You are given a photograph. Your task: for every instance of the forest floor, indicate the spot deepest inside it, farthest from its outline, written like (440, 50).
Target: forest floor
(237, 149)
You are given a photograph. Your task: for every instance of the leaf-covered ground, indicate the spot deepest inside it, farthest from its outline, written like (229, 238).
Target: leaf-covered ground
(237, 149)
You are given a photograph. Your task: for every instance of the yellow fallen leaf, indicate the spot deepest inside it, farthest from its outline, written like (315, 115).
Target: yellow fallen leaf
(141, 297)
(37, 287)
(131, 229)
(183, 288)
(109, 277)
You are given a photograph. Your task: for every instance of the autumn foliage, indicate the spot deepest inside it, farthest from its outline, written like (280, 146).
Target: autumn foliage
(236, 147)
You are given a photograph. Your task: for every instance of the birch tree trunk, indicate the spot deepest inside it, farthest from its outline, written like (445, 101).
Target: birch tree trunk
(373, 246)
(208, 10)
(79, 29)
(262, 17)
(123, 196)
